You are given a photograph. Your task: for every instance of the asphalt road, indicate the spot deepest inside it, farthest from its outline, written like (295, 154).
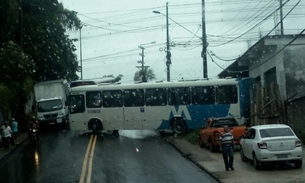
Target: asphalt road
(135, 156)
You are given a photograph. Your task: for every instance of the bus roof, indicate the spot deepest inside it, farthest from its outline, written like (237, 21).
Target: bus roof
(181, 83)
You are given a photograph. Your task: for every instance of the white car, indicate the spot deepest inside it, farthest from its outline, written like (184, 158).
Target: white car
(271, 143)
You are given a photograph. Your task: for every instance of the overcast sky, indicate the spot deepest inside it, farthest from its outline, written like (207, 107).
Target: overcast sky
(114, 29)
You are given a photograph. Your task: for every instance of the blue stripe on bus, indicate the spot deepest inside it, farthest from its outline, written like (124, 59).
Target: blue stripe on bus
(199, 115)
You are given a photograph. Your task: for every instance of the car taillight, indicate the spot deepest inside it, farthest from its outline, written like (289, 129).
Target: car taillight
(298, 143)
(262, 145)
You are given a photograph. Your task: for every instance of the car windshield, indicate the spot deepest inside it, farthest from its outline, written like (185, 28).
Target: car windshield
(275, 132)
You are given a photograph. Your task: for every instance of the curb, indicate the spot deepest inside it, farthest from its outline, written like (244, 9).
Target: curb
(193, 161)
(13, 148)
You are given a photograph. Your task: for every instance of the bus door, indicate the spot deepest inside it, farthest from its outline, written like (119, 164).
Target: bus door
(112, 110)
(134, 112)
(77, 115)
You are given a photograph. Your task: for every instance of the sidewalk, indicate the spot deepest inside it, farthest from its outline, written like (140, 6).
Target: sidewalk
(244, 172)
(22, 136)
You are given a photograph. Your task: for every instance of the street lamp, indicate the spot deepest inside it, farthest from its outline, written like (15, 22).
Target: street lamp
(168, 53)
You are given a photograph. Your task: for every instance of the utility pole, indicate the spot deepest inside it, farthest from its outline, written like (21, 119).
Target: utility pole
(80, 54)
(142, 67)
(142, 64)
(204, 43)
(168, 53)
(281, 17)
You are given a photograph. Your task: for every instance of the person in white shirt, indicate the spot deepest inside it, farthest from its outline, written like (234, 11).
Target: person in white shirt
(7, 134)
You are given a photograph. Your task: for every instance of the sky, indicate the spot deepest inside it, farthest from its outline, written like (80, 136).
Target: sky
(114, 30)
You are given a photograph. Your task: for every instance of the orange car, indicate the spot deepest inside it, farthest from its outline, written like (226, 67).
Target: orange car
(209, 135)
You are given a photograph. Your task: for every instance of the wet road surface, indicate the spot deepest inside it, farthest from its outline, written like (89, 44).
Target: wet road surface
(135, 156)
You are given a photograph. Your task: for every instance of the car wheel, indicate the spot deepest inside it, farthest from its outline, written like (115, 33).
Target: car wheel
(298, 164)
(242, 155)
(256, 163)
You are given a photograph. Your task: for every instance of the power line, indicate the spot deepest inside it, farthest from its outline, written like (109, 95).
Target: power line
(252, 27)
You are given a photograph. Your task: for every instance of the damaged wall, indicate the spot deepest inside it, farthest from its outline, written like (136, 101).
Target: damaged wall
(294, 60)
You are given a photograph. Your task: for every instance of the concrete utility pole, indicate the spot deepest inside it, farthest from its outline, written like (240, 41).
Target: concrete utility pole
(281, 17)
(204, 43)
(144, 79)
(168, 53)
(80, 54)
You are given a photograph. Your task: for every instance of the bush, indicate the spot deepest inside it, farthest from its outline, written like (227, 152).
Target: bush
(192, 136)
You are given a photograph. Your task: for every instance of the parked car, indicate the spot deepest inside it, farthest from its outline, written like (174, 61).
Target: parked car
(209, 135)
(271, 143)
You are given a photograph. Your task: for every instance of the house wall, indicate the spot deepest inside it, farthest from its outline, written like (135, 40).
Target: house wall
(294, 60)
(295, 115)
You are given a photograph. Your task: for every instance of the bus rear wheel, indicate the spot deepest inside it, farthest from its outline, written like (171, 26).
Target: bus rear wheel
(179, 126)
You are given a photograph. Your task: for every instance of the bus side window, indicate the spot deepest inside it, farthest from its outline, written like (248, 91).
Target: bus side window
(226, 94)
(93, 99)
(203, 95)
(133, 98)
(155, 97)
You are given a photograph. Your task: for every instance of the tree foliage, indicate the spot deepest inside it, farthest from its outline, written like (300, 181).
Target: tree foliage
(144, 75)
(44, 26)
(34, 47)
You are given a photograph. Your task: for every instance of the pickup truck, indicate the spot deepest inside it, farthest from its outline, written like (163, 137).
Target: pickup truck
(214, 127)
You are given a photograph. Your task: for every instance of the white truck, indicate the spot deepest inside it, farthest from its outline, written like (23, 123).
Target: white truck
(51, 100)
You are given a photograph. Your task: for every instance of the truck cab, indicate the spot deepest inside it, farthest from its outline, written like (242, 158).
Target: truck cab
(51, 110)
(209, 135)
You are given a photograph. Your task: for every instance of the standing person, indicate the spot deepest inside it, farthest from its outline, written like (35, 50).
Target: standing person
(7, 132)
(15, 129)
(227, 145)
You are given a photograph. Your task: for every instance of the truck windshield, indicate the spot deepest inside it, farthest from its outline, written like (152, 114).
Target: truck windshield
(49, 105)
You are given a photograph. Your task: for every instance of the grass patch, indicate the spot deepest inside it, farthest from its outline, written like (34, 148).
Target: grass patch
(192, 136)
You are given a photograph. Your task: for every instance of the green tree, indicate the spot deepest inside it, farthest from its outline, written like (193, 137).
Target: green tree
(144, 75)
(45, 23)
(17, 71)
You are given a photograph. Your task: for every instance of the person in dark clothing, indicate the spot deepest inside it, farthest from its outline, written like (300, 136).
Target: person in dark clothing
(227, 146)
(33, 124)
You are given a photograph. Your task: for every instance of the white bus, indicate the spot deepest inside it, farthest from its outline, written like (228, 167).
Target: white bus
(177, 105)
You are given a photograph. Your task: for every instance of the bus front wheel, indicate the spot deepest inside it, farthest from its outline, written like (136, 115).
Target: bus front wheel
(179, 126)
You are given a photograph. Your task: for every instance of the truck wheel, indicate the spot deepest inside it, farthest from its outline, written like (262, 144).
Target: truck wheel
(179, 126)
